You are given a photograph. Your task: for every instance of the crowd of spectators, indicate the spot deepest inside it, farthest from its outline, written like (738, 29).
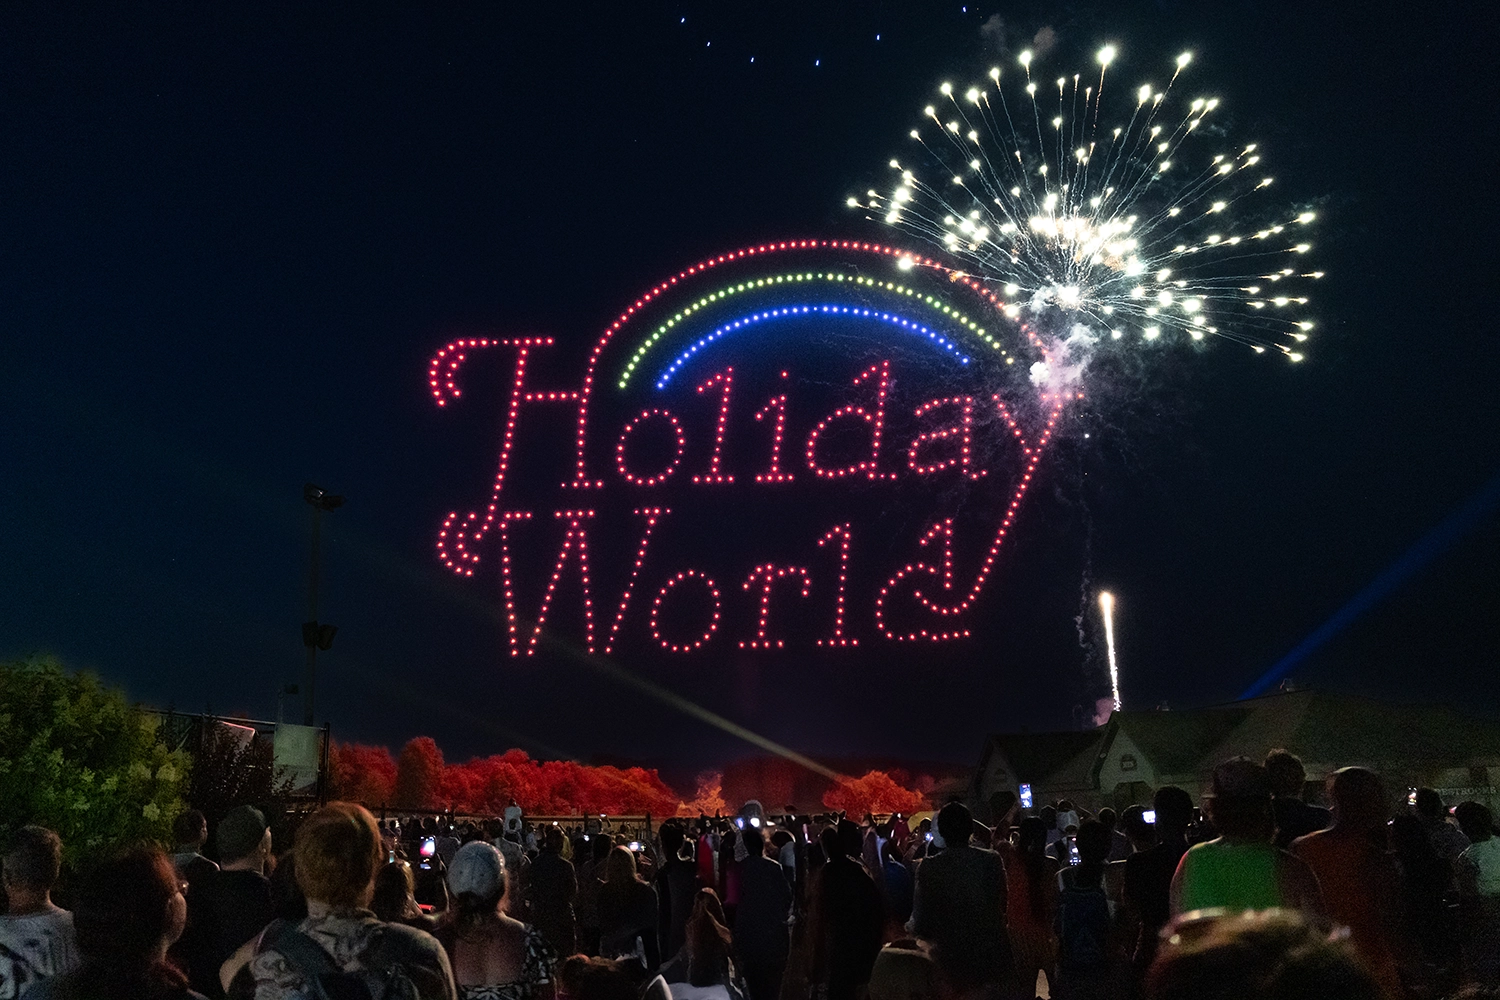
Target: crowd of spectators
(1252, 892)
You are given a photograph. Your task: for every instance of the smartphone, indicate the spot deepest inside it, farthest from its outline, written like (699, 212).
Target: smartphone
(1149, 816)
(929, 835)
(428, 848)
(1411, 796)
(739, 821)
(1025, 796)
(1073, 858)
(635, 845)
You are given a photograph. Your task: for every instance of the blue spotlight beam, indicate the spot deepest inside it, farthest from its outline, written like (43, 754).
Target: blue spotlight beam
(1427, 548)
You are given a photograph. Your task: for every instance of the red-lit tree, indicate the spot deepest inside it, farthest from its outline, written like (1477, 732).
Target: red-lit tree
(874, 792)
(708, 800)
(360, 773)
(419, 775)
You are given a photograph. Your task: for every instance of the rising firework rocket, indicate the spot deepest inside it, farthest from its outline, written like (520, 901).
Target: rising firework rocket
(1107, 605)
(1105, 221)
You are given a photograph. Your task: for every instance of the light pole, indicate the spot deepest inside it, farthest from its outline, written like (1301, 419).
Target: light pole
(315, 636)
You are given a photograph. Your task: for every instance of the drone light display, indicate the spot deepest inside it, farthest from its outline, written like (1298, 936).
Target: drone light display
(811, 444)
(824, 444)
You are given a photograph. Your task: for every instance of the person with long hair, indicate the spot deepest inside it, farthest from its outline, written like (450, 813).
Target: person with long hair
(1031, 902)
(127, 914)
(627, 911)
(395, 899)
(706, 958)
(494, 955)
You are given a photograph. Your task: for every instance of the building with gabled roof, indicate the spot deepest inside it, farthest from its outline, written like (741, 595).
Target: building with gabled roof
(1134, 753)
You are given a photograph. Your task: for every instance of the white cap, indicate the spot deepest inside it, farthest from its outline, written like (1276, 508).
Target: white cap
(479, 869)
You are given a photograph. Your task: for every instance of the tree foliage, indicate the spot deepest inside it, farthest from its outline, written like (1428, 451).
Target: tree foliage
(232, 767)
(361, 773)
(874, 792)
(75, 756)
(419, 778)
(419, 775)
(708, 797)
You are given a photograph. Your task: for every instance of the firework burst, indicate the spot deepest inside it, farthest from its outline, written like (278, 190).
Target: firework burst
(1099, 221)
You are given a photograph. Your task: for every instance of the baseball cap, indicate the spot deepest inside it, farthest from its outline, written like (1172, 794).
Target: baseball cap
(478, 868)
(240, 832)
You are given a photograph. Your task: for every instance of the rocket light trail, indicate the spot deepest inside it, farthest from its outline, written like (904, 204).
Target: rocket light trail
(1107, 605)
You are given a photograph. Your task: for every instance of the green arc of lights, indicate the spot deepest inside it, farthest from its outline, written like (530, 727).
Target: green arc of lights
(832, 277)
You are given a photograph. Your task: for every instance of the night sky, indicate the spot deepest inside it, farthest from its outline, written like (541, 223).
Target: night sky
(231, 238)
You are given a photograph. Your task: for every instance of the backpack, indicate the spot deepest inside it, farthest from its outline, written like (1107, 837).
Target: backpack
(379, 980)
(1083, 923)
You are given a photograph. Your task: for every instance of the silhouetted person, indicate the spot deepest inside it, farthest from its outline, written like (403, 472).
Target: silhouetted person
(1357, 877)
(761, 935)
(395, 900)
(1084, 918)
(627, 911)
(550, 891)
(1031, 904)
(1447, 839)
(1148, 874)
(707, 958)
(676, 886)
(1291, 816)
(229, 907)
(1425, 877)
(845, 919)
(190, 832)
(1478, 874)
(959, 906)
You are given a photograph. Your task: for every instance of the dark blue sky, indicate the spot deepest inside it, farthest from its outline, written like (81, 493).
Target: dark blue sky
(230, 239)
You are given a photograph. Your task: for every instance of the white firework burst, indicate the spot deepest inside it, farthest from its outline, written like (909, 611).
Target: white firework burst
(1090, 221)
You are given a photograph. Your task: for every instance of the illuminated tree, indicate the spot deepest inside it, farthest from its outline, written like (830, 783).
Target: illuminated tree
(360, 773)
(874, 792)
(419, 774)
(708, 800)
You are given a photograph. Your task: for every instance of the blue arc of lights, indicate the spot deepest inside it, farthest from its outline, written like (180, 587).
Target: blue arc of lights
(794, 312)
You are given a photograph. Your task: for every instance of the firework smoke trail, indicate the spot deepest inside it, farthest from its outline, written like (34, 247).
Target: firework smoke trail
(1107, 605)
(1101, 226)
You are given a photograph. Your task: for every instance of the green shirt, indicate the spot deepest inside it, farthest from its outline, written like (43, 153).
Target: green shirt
(1234, 876)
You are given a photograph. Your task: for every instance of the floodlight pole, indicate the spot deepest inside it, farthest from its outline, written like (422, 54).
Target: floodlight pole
(315, 634)
(311, 673)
